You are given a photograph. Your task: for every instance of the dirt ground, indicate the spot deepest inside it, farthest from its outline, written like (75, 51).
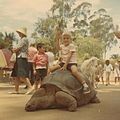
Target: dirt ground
(12, 106)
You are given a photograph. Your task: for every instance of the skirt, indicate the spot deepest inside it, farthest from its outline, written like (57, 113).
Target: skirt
(20, 68)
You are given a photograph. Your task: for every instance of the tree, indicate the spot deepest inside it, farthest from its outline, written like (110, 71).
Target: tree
(89, 46)
(80, 15)
(101, 27)
(115, 56)
(97, 26)
(61, 10)
(6, 40)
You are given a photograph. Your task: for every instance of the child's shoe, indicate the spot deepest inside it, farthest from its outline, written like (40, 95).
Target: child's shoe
(86, 90)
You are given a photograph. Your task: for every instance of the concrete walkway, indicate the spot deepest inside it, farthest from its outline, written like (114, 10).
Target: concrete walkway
(12, 106)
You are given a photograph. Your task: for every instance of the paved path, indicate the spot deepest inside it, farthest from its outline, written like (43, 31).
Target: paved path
(12, 107)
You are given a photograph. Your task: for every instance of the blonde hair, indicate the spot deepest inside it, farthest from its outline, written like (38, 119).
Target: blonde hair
(67, 33)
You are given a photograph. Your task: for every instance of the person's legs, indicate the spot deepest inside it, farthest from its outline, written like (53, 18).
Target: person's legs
(115, 79)
(107, 78)
(102, 80)
(16, 83)
(31, 74)
(119, 80)
(76, 73)
(27, 82)
(35, 85)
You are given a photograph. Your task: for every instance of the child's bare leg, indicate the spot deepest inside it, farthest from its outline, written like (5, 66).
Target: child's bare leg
(27, 82)
(102, 80)
(53, 68)
(76, 73)
(115, 80)
(40, 83)
(36, 84)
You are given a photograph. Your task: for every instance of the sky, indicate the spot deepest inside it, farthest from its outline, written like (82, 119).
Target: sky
(24, 13)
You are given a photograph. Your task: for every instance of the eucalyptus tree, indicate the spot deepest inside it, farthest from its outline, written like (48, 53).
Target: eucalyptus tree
(44, 30)
(1, 36)
(80, 16)
(57, 16)
(88, 45)
(101, 27)
(61, 10)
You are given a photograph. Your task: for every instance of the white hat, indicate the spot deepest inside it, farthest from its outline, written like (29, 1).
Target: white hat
(22, 30)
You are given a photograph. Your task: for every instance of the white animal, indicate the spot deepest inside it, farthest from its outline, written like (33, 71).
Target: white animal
(89, 68)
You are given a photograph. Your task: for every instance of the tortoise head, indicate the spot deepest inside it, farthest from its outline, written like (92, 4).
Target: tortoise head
(39, 100)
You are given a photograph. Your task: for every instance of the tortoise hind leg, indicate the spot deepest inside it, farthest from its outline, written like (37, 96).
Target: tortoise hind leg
(65, 100)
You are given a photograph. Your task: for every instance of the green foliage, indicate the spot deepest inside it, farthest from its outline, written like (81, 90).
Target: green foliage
(94, 27)
(88, 46)
(115, 56)
(48, 44)
(6, 40)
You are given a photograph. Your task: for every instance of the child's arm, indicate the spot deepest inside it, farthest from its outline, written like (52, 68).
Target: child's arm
(57, 44)
(58, 38)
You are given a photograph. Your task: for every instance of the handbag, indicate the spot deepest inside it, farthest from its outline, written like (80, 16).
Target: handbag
(13, 58)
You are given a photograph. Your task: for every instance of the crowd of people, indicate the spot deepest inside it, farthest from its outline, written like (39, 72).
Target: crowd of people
(108, 72)
(35, 61)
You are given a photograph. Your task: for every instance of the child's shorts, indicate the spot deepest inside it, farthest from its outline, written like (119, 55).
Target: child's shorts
(40, 74)
(68, 66)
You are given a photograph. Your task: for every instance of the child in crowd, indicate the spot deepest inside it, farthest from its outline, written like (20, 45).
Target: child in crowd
(68, 58)
(40, 65)
(108, 68)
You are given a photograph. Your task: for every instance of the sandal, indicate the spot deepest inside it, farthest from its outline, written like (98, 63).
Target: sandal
(13, 92)
(29, 91)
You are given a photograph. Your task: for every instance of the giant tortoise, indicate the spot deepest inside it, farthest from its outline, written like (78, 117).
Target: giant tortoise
(61, 89)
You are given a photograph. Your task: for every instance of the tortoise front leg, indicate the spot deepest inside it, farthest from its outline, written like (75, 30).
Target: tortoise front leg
(65, 100)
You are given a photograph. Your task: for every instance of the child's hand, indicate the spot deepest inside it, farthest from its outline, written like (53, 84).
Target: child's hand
(58, 32)
(64, 67)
